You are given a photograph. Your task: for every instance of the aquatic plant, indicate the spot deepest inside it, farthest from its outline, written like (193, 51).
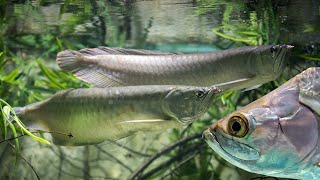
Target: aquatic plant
(256, 25)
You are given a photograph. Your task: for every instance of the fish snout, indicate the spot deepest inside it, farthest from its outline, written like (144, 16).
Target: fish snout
(215, 89)
(280, 47)
(208, 133)
(209, 137)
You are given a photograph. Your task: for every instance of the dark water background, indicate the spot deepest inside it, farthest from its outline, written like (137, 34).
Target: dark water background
(33, 32)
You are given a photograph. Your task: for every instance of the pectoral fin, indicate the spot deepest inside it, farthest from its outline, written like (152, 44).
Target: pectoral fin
(149, 125)
(143, 121)
(252, 87)
(234, 84)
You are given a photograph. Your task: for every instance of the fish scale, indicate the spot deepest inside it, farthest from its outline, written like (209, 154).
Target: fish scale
(94, 115)
(236, 68)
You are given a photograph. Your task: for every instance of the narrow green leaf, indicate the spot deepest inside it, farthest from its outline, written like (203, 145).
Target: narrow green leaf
(249, 33)
(310, 57)
(19, 123)
(3, 123)
(50, 76)
(245, 40)
(59, 43)
(10, 77)
(6, 111)
(15, 135)
(3, 63)
(16, 119)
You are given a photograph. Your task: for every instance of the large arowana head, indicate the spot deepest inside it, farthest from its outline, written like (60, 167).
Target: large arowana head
(275, 135)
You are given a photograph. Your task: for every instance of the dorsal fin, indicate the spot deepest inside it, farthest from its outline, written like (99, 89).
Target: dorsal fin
(91, 69)
(102, 50)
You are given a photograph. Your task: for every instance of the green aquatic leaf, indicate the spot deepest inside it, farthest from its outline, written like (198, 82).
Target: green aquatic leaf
(311, 57)
(2, 60)
(254, 30)
(249, 33)
(51, 76)
(6, 117)
(11, 77)
(59, 43)
(3, 124)
(16, 140)
(235, 38)
(10, 115)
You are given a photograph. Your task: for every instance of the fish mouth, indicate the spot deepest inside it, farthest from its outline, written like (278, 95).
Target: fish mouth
(213, 142)
(281, 57)
(212, 91)
(203, 106)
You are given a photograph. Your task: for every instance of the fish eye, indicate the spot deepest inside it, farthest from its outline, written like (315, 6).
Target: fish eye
(238, 126)
(274, 50)
(199, 94)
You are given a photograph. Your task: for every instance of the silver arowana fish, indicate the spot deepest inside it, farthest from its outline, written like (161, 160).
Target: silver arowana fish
(232, 69)
(95, 115)
(276, 135)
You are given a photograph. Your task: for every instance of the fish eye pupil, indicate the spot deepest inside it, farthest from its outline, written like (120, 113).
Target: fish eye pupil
(236, 126)
(272, 49)
(199, 94)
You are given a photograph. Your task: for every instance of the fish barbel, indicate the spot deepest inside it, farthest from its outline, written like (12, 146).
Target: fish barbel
(231, 69)
(95, 115)
(276, 135)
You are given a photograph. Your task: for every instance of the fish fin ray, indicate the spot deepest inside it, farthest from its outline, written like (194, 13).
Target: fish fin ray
(102, 50)
(124, 51)
(87, 71)
(150, 125)
(142, 121)
(226, 86)
(252, 87)
(97, 78)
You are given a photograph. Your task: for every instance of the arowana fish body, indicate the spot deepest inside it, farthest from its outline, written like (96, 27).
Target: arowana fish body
(95, 115)
(278, 134)
(230, 69)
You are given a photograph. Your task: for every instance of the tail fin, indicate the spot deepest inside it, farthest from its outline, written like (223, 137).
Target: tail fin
(68, 60)
(89, 70)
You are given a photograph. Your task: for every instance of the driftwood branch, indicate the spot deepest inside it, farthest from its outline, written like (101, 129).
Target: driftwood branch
(114, 158)
(131, 150)
(192, 150)
(179, 165)
(35, 172)
(138, 173)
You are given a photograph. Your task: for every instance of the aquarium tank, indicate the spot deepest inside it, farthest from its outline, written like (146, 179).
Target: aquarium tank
(32, 32)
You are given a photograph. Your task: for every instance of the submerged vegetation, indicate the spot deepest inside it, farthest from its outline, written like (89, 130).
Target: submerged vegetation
(240, 24)
(28, 74)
